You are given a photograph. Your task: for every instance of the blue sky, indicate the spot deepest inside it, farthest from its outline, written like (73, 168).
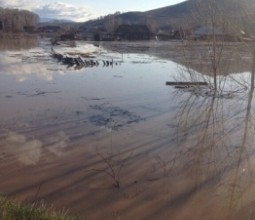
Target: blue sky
(81, 10)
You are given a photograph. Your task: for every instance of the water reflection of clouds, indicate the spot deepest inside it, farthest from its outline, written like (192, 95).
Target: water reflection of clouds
(24, 150)
(22, 71)
(58, 143)
(29, 151)
(18, 42)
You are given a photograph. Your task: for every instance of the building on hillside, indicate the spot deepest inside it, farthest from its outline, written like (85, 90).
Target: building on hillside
(76, 35)
(132, 32)
(203, 33)
(107, 37)
(170, 34)
(49, 29)
(97, 33)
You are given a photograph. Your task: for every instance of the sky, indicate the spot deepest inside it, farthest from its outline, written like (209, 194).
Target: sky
(82, 10)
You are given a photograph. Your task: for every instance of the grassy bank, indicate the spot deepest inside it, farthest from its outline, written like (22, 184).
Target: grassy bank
(10, 210)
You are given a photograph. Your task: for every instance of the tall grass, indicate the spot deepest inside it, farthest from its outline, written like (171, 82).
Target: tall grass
(10, 210)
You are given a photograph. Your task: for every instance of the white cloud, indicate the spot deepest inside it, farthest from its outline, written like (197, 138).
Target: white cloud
(55, 10)
(22, 4)
(60, 10)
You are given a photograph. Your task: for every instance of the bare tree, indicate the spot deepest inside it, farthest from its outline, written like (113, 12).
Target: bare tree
(14, 20)
(208, 48)
(112, 21)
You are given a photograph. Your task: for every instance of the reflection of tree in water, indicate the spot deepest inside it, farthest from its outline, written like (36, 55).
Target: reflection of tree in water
(18, 42)
(242, 192)
(216, 140)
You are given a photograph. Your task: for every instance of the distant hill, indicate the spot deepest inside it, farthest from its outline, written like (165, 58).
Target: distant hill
(226, 6)
(241, 14)
(50, 20)
(174, 11)
(197, 10)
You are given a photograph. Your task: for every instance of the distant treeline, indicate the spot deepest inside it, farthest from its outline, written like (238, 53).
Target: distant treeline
(15, 20)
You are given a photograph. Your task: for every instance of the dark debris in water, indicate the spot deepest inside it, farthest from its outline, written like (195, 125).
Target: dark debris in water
(113, 117)
(92, 98)
(78, 62)
(203, 89)
(141, 62)
(99, 120)
(118, 76)
(37, 92)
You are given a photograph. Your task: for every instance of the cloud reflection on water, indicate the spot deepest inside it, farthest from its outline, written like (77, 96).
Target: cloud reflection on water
(28, 151)
(58, 143)
(21, 71)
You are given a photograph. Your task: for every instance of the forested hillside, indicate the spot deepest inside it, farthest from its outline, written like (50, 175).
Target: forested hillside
(14, 20)
(234, 15)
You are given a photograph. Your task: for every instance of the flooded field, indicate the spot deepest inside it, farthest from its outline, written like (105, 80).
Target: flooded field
(107, 139)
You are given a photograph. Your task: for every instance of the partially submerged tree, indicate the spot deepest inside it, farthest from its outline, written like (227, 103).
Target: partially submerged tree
(208, 47)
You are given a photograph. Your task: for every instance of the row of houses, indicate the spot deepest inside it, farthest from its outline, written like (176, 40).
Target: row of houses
(127, 32)
(34, 29)
(142, 32)
(123, 32)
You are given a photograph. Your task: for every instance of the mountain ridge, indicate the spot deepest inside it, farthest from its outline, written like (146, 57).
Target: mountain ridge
(190, 13)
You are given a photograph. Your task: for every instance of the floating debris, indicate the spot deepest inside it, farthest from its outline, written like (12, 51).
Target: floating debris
(37, 92)
(113, 117)
(79, 62)
(186, 84)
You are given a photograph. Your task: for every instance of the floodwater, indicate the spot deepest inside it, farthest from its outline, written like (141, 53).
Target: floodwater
(71, 134)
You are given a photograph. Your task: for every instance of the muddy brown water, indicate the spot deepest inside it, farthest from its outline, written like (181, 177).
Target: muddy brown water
(177, 154)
